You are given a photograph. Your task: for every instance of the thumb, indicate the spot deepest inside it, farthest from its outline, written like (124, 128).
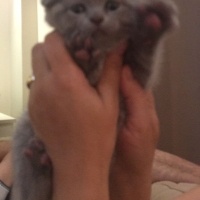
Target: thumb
(108, 86)
(137, 99)
(133, 93)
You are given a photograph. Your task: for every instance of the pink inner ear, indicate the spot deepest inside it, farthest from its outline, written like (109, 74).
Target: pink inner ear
(154, 22)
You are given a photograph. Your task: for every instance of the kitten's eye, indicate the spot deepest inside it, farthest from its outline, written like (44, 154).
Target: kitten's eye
(112, 5)
(78, 8)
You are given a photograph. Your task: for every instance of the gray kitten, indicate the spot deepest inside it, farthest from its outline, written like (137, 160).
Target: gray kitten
(91, 28)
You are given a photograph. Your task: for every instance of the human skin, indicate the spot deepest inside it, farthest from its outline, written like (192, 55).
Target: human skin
(6, 171)
(78, 125)
(131, 175)
(6, 175)
(76, 121)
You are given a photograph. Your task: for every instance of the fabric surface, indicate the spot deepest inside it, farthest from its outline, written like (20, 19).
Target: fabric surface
(3, 192)
(166, 190)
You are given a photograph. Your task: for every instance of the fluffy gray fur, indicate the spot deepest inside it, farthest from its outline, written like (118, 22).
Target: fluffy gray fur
(95, 27)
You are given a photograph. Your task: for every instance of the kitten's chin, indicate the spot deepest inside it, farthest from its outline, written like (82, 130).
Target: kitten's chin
(99, 32)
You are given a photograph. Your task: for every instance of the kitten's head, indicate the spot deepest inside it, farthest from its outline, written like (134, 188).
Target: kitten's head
(106, 21)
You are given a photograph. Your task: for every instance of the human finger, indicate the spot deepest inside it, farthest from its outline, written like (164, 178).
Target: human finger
(134, 94)
(132, 91)
(57, 54)
(141, 123)
(109, 83)
(139, 102)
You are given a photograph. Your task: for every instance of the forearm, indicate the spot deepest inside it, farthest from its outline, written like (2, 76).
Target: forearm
(129, 188)
(6, 170)
(5, 176)
(128, 184)
(5, 146)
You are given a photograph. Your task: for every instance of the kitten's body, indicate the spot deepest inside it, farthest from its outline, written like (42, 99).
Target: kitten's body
(93, 27)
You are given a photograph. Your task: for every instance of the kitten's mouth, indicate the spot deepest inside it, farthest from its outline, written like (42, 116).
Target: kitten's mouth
(99, 31)
(87, 50)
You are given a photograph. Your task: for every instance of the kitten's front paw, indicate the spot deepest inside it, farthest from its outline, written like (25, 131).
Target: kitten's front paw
(156, 19)
(35, 152)
(167, 12)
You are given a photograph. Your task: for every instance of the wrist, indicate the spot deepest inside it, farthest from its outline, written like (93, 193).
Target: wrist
(124, 186)
(126, 183)
(80, 185)
(79, 181)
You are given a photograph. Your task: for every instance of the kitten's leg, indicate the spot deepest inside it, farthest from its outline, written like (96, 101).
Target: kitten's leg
(32, 174)
(35, 152)
(154, 21)
(41, 170)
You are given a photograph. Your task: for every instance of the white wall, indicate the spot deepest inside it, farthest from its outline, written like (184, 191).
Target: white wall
(5, 56)
(34, 30)
(23, 25)
(16, 59)
(29, 39)
(10, 58)
(43, 27)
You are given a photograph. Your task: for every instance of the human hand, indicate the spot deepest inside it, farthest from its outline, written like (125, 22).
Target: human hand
(76, 122)
(132, 168)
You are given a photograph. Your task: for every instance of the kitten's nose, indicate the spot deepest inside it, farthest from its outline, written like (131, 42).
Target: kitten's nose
(97, 20)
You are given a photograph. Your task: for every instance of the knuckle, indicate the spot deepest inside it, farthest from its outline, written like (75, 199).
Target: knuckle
(48, 37)
(64, 83)
(52, 37)
(37, 49)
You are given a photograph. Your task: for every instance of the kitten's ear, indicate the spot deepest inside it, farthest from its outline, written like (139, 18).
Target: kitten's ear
(48, 3)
